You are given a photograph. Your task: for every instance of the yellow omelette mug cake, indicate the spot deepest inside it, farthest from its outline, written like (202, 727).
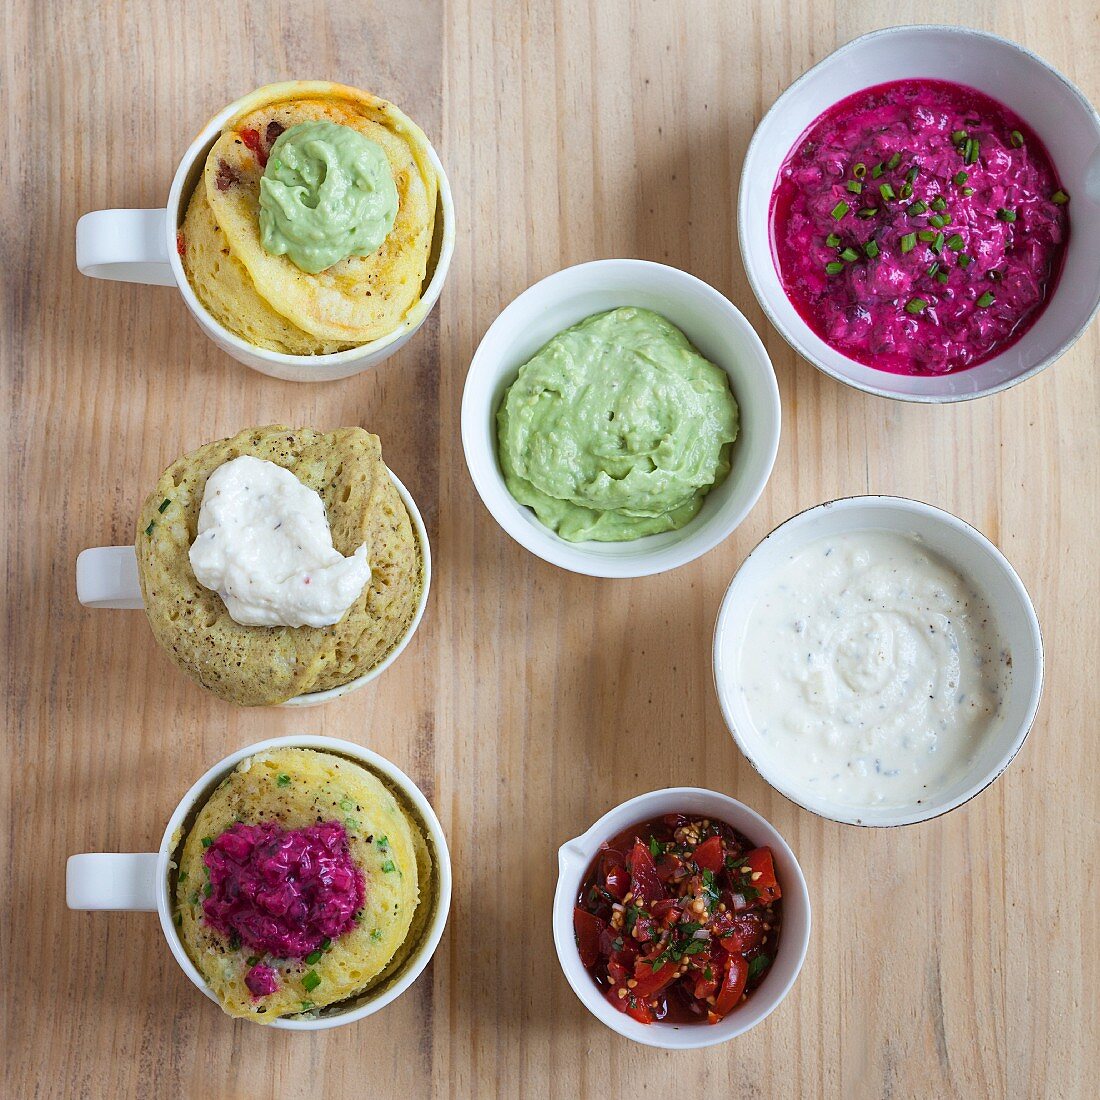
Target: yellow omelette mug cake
(303, 883)
(279, 562)
(310, 229)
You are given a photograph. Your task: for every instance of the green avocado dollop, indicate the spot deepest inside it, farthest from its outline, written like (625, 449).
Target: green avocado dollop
(327, 193)
(617, 428)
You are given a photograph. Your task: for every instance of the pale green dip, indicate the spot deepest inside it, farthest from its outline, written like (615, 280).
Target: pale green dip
(327, 193)
(617, 428)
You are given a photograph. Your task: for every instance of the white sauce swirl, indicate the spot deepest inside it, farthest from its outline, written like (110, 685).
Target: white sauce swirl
(870, 670)
(265, 547)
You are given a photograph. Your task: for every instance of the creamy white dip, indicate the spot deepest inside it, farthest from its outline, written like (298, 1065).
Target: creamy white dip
(870, 670)
(265, 547)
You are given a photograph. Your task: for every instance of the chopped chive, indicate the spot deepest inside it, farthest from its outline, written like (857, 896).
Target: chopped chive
(958, 137)
(986, 300)
(938, 203)
(894, 161)
(1006, 215)
(968, 191)
(916, 305)
(163, 505)
(311, 981)
(832, 240)
(926, 235)
(961, 178)
(868, 212)
(915, 208)
(955, 242)
(876, 171)
(964, 261)
(908, 243)
(912, 174)
(834, 268)
(252, 960)
(840, 210)
(207, 841)
(182, 876)
(854, 186)
(283, 780)
(313, 958)
(973, 148)
(376, 934)
(937, 244)
(1016, 138)
(943, 277)
(149, 529)
(306, 1006)
(387, 867)
(871, 249)
(933, 269)
(849, 254)
(938, 220)
(1059, 197)
(346, 804)
(886, 191)
(326, 943)
(859, 170)
(906, 191)
(207, 890)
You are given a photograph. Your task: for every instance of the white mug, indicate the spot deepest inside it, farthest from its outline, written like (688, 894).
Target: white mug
(139, 881)
(107, 577)
(139, 246)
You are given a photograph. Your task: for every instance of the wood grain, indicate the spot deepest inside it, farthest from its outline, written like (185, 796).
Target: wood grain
(955, 958)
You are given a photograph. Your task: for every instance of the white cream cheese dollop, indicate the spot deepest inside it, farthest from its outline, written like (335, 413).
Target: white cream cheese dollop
(870, 670)
(264, 545)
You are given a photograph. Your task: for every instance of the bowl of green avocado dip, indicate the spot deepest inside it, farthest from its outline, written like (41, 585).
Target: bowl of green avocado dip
(620, 418)
(616, 428)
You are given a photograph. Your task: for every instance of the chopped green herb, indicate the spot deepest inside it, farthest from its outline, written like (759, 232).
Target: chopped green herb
(1006, 215)
(163, 505)
(834, 268)
(832, 240)
(934, 268)
(283, 780)
(376, 934)
(926, 235)
(938, 220)
(916, 305)
(849, 254)
(252, 960)
(955, 242)
(894, 161)
(346, 804)
(964, 261)
(886, 191)
(859, 170)
(840, 210)
(306, 1006)
(313, 958)
(973, 148)
(182, 876)
(207, 890)
(1059, 197)
(1016, 138)
(958, 137)
(961, 178)
(912, 174)
(326, 943)
(968, 191)
(655, 847)
(876, 171)
(868, 212)
(906, 191)
(383, 842)
(351, 824)
(938, 203)
(388, 866)
(207, 841)
(871, 249)
(757, 966)
(937, 244)
(311, 981)
(149, 529)
(916, 208)
(943, 277)
(855, 187)
(986, 300)
(908, 243)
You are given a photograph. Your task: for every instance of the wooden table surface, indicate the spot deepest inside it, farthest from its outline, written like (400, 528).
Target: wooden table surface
(956, 958)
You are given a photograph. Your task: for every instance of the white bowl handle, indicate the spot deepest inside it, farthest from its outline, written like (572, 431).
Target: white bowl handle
(112, 880)
(107, 576)
(130, 246)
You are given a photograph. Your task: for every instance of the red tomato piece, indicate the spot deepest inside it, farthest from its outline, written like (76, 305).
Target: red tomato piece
(665, 912)
(709, 855)
(644, 882)
(760, 862)
(638, 1009)
(650, 981)
(706, 987)
(667, 866)
(733, 985)
(617, 880)
(587, 930)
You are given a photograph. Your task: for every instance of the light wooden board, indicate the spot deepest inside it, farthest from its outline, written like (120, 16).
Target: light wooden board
(958, 958)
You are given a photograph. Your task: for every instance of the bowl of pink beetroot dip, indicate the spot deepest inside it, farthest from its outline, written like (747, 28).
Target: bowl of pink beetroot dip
(919, 214)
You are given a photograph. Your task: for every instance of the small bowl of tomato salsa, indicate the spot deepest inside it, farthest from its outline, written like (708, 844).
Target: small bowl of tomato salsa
(681, 918)
(919, 214)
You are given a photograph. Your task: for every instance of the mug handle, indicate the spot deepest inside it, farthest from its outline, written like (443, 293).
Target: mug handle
(129, 246)
(107, 576)
(112, 880)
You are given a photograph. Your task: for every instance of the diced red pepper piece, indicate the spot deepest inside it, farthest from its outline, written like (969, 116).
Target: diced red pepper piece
(251, 138)
(587, 929)
(709, 855)
(644, 882)
(733, 985)
(650, 981)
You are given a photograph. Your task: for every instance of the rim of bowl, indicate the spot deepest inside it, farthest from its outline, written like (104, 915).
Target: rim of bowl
(316, 698)
(417, 314)
(540, 540)
(584, 848)
(742, 220)
(416, 962)
(949, 519)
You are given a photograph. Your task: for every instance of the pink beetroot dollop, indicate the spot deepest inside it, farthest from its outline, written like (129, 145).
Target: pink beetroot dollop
(282, 891)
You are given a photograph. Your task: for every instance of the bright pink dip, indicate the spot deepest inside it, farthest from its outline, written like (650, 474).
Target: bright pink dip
(997, 256)
(282, 891)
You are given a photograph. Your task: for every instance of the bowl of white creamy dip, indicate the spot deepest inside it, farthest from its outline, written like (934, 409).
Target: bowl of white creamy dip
(878, 660)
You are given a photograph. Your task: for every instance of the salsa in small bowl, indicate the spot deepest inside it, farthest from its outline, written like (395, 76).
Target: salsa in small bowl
(681, 918)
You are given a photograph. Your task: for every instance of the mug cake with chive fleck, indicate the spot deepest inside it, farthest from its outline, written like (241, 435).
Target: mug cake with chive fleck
(304, 882)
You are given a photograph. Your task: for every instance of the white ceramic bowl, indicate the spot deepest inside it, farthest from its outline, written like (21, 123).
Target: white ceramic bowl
(139, 246)
(975, 558)
(107, 577)
(1060, 114)
(716, 328)
(574, 858)
(141, 881)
